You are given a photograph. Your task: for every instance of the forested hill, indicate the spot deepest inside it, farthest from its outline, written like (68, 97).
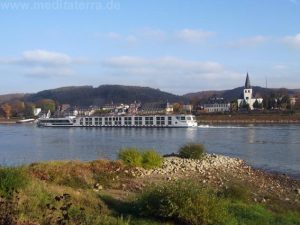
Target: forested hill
(104, 94)
(87, 95)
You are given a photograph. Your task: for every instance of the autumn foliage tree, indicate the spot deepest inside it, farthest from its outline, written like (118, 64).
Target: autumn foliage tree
(46, 105)
(18, 108)
(6, 110)
(177, 108)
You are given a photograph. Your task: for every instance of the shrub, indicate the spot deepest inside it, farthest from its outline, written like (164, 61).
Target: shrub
(192, 151)
(11, 179)
(152, 159)
(251, 214)
(131, 157)
(186, 202)
(72, 174)
(237, 192)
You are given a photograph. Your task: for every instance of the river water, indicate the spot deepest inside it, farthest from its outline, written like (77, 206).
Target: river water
(270, 147)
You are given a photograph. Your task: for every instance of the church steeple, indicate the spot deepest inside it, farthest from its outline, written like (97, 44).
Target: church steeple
(247, 83)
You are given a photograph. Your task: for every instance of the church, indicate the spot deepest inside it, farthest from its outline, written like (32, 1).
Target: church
(248, 96)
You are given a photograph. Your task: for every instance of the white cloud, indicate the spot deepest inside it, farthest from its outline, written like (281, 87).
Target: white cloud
(44, 72)
(170, 73)
(194, 35)
(44, 63)
(157, 35)
(124, 61)
(126, 39)
(42, 57)
(114, 36)
(293, 1)
(280, 67)
(164, 63)
(292, 41)
(46, 57)
(153, 34)
(249, 42)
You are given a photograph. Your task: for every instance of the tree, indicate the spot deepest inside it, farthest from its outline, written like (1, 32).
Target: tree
(234, 106)
(18, 108)
(7, 110)
(257, 105)
(29, 109)
(244, 105)
(46, 105)
(177, 108)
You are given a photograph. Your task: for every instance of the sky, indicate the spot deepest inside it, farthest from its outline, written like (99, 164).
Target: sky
(179, 46)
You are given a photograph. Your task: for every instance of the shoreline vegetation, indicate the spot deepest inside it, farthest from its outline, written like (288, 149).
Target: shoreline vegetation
(249, 118)
(141, 188)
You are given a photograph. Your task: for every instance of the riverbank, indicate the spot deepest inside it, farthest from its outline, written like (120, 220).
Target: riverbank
(249, 119)
(109, 192)
(8, 121)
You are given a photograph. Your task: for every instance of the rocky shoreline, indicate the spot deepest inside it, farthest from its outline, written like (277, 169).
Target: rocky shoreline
(107, 190)
(218, 171)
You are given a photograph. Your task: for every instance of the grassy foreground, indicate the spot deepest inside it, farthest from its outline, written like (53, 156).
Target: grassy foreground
(109, 192)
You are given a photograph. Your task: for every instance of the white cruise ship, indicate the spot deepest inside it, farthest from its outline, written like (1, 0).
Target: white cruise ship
(121, 121)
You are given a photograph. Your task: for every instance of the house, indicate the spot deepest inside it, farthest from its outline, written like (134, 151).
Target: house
(216, 105)
(248, 100)
(156, 108)
(187, 108)
(37, 111)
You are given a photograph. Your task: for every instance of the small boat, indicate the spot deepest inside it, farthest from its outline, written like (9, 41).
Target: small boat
(26, 121)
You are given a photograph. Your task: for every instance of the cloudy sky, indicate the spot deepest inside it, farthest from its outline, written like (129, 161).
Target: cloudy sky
(174, 45)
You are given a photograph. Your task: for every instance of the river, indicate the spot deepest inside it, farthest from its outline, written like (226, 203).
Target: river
(270, 147)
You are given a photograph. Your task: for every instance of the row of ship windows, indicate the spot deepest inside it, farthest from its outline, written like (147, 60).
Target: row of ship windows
(129, 119)
(126, 123)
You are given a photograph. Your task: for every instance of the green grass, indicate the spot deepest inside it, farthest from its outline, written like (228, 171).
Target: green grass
(151, 159)
(134, 157)
(192, 151)
(11, 179)
(186, 202)
(236, 192)
(131, 157)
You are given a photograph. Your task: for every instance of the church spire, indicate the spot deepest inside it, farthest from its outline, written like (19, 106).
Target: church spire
(247, 83)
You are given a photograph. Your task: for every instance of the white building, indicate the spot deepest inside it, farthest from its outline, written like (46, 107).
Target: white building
(217, 107)
(248, 96)
(37, 111)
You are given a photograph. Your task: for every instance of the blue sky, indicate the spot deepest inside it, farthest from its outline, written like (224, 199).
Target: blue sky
(177, 46)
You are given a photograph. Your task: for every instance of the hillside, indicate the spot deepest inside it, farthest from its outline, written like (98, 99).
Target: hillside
(10, 97)
(235, 93)
(87, 95)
